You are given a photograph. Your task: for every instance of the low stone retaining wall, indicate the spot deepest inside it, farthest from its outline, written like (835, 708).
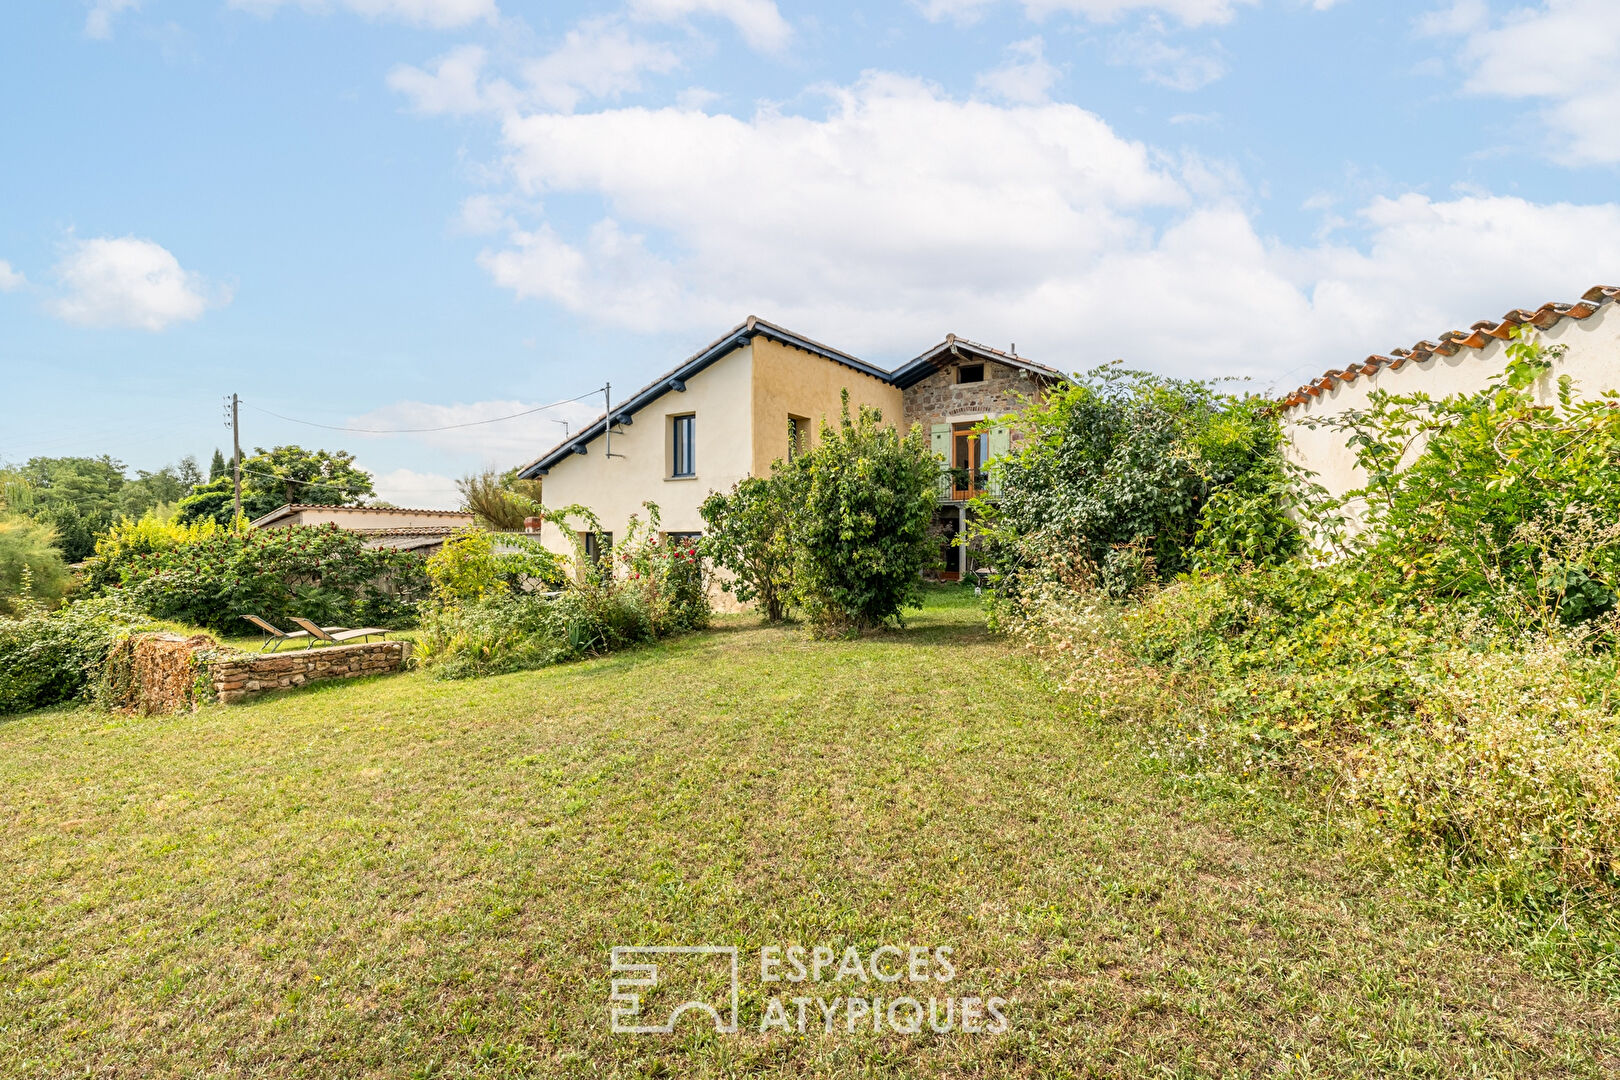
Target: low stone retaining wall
(241, 677)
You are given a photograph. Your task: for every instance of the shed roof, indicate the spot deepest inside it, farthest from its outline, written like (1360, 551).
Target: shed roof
(293, 508)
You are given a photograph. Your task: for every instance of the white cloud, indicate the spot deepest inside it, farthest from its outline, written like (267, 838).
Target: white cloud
(451, 87)
(901, 214)
(440, 14)
(128, 282)
(1160, 62)
(599, 58)
(499, 445)
(1026, 78)
(10, 279)
(1188, 12)
(1563, 52)
(98, 22)
(416, 491)
(758, 21)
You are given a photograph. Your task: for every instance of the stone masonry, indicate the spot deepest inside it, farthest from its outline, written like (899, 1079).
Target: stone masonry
(239, 677)
(940, 399)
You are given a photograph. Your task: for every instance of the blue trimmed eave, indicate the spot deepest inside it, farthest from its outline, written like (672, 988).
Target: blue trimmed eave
(674, 381)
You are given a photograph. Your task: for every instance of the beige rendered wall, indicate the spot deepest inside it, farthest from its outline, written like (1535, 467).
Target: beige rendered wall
(719, 397)
(1592, 360)
(792, 382)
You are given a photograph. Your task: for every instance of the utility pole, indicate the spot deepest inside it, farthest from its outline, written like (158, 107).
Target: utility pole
(236, 458)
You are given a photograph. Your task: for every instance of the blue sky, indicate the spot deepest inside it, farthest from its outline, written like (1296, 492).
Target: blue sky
(409, 213)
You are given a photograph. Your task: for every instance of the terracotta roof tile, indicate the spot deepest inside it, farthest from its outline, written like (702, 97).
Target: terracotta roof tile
(1453, 341)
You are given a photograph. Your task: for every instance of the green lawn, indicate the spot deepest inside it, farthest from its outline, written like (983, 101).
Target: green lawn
(403, 877)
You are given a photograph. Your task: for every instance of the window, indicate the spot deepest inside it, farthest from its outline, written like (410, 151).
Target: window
(968, 455)
(598, 546)
(683, 445)
(682, 539)
(798, 436)
(970, 373)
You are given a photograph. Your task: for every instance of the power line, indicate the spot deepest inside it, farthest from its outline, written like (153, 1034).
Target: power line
(418, 431)
(294, 480)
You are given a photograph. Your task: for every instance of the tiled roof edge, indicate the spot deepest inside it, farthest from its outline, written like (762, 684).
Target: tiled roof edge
(1451, 342)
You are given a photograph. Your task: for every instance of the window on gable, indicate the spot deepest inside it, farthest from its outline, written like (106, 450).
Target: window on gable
(970, 373)
(683, 445)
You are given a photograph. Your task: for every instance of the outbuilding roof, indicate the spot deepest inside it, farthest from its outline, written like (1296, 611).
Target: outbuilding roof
(293, 508)
(1453, 341)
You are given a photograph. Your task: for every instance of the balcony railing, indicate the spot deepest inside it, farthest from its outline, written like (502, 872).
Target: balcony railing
(959, 485)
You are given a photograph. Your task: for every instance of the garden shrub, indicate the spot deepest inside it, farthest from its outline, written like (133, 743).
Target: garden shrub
(749, 534)
(1505, 499)
(1445, 672)
(493, 635)
(1120, 467)
(47, 658)
(478, 624)
(31, 567)
(470, 568)
(864, 533)
(319, 572)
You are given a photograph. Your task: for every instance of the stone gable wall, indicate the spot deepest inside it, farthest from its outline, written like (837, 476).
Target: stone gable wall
(238, 678)
(940, 399)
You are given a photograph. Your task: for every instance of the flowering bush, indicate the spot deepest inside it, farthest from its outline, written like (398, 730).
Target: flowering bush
(666, 576)
(320, 572)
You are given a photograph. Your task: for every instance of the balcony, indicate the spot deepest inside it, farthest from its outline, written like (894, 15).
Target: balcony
(960, 485)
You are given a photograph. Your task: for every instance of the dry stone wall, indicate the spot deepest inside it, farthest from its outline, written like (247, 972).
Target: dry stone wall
(940, 399)
(238, 678)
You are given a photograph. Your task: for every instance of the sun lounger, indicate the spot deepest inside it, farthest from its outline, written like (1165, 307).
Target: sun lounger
(337, 637)
(273, 637)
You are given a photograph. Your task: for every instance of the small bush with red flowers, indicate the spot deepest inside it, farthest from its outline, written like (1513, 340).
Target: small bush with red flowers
(665, 573)
(318, 572)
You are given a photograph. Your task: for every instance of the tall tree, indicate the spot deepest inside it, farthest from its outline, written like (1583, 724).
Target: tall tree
(188, 472)
(216, 467)
(276, 477)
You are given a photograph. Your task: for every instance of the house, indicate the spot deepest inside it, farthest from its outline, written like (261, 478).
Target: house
(421, 531)
(754, 395)
(1460, 362)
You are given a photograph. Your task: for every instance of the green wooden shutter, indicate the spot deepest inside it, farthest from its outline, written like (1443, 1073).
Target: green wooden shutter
(939, 440)
(1000, 446)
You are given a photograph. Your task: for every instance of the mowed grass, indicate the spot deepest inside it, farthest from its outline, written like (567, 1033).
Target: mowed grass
(403, 877)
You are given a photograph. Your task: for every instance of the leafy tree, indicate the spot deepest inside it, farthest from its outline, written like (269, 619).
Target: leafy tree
(31, 567)
(276, 477)
(750, 535)
(214, 576)
(80, 498)
(863, 535)
(216, 467)
(1118, 471)
(189, 474)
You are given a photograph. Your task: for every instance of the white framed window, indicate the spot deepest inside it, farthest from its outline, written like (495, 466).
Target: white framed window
(683, 445)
